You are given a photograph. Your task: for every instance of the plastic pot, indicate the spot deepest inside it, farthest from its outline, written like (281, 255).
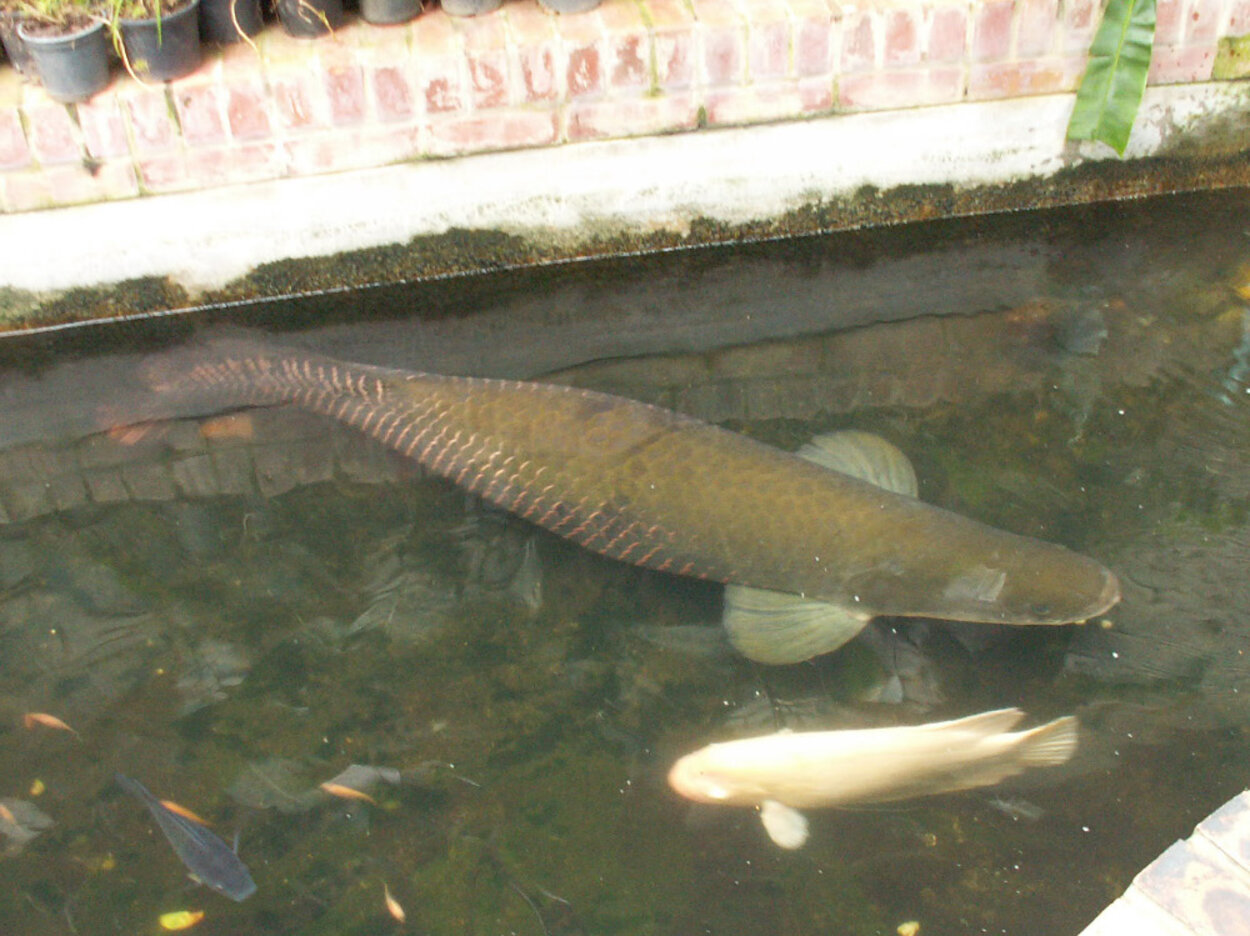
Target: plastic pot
(163, 49)
(226, 21)
(389, 12)
(71, 66)
(14, 47)
(307, 19)
(470, 7)
(569, 6)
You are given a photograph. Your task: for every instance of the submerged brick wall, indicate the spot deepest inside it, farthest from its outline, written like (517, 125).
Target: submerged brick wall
(443, 86)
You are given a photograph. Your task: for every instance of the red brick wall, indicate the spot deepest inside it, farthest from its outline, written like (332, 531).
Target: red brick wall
(442, 86)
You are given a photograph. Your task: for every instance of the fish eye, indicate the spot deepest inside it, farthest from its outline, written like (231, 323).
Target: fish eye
(1041, 610)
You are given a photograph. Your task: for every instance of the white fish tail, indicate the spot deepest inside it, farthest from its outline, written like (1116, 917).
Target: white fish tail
(1049, 744)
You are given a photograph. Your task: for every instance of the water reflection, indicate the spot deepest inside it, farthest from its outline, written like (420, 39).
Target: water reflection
(236, 611)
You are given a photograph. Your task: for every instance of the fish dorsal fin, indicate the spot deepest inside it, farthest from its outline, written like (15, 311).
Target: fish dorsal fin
(785, 825)
(865, 456)
(987, 723)
(1050, 744)
(776, 627)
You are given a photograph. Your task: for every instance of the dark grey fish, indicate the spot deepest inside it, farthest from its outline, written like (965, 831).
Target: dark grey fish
(210, 860)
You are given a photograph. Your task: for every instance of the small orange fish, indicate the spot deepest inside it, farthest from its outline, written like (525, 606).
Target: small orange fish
(7, 814)
(346, 792)
(31, 719)
(134, 433)
(184, 812)
(392, 905)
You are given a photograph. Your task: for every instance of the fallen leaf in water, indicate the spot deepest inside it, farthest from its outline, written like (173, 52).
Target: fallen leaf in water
(37, 787)
(180, 919)
(184, 812)
(31, 719)
(346, 792)
(392, 905)
(233, 426)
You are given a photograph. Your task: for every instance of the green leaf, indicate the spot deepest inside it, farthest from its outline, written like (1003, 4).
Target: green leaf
(1115, 78)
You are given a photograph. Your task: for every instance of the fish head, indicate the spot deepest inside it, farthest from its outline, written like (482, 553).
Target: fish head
(705, 777)
(1042, 584)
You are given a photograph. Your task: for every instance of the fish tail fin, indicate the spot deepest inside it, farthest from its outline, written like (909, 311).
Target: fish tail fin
(1049, 744)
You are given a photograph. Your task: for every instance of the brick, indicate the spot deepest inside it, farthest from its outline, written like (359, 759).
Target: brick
(1037, 27)
(675, 54)
(902, 88)
(1018, 79)
(54, 139)
(991, 32)
(722, 44)
(24, 191)
(392, 94)
(814, 31)
(151, 125)
(247, 110)
(103, 129)
(1239, 18)
(533, 48)
(752, 104)
(1179, 65)
(948, 35)
(1080, 21)
(816, 95)
(14, 152)
(359, 149)
(768, 50)
(629, 61)
(1202, 22)
(902, 37)
(200, 112)
(488, 77)
(593, 120)
(208, 167)
(299, 101)
(500, 130)
(859, 43)
(582, 71)
(345, 90)
(1169, 22)
(76, 184)
(165, 173)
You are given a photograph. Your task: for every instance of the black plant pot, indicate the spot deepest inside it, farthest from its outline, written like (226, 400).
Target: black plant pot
(163, 49)
(307, 19)
(14, 47)
(72, 66)
(470, 7)
(226, 21)
(389, 12)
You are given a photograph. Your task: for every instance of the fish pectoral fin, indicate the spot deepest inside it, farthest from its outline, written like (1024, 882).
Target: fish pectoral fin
(776, 627)
(865, 456)
(785, 825)
(1050, 744)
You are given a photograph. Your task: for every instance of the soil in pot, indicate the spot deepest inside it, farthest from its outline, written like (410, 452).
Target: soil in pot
(73, 65)
(226, 21)
(307, 19)
(162, 48)
(389, 12)
(470, 7)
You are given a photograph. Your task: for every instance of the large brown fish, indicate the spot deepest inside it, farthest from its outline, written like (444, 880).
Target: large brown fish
(811, 553)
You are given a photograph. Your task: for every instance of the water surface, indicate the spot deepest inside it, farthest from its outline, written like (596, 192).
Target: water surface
(236, 610)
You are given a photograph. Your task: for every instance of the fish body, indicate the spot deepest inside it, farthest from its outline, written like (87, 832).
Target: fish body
(665, 491)
(209, 859)
(787, 771)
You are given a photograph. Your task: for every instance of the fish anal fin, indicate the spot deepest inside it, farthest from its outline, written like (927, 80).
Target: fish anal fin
(1050, 744)
(865, 456)
(785, 825)
(776, 627)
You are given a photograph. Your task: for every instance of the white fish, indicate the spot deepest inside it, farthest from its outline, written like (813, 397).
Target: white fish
(785, 771)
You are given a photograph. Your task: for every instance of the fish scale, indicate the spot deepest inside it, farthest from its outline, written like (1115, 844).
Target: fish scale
(666, 491)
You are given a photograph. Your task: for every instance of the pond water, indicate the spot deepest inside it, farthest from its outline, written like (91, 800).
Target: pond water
(235, 609)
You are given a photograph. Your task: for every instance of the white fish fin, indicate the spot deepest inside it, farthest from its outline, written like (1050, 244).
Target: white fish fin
(785, 825)
(1049, 744)
(776, 627)
(865, 456)
(986, 723)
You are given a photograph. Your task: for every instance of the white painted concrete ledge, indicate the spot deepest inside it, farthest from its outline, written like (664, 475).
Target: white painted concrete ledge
(205, 239)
